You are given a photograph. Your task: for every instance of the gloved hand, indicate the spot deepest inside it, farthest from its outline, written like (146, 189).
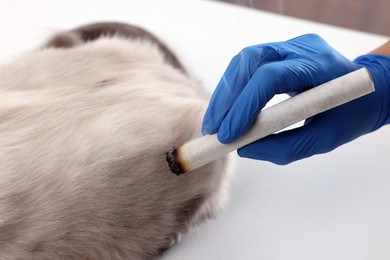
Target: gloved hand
(259, 72)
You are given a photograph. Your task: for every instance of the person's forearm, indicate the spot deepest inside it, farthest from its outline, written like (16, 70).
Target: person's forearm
(384, 49)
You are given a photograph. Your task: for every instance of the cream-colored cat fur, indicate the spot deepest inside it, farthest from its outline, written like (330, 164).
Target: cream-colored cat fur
(83, 135)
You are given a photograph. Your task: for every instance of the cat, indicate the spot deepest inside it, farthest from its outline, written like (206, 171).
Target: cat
(85, 122)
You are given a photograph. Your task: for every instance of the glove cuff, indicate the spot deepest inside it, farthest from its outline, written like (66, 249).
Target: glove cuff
(379, 68)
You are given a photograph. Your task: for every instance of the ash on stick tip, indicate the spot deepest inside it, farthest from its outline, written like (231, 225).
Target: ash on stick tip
(173, 162)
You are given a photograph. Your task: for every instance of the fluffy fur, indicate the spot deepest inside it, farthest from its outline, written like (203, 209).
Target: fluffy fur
(84, 127)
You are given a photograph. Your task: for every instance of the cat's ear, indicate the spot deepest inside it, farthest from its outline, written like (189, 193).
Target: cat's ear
(97, 30)
(64, 40)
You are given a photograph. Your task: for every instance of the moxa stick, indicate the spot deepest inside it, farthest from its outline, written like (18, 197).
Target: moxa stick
(205, 149)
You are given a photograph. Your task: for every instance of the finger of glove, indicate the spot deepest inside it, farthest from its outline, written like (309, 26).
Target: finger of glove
(233, 81)
(285, 147)
(270, 79)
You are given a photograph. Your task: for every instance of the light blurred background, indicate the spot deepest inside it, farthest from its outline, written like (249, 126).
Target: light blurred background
(371, 16)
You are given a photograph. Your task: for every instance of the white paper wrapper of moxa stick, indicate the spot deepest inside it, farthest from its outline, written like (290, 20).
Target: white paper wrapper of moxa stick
(205, 149)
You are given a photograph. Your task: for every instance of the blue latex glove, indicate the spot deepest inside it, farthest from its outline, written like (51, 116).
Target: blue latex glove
(259, 72)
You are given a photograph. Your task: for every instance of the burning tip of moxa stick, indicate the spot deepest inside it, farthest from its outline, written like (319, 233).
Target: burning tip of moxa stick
(174, 163)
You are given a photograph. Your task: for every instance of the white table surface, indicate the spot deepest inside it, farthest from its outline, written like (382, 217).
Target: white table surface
(332, 206)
